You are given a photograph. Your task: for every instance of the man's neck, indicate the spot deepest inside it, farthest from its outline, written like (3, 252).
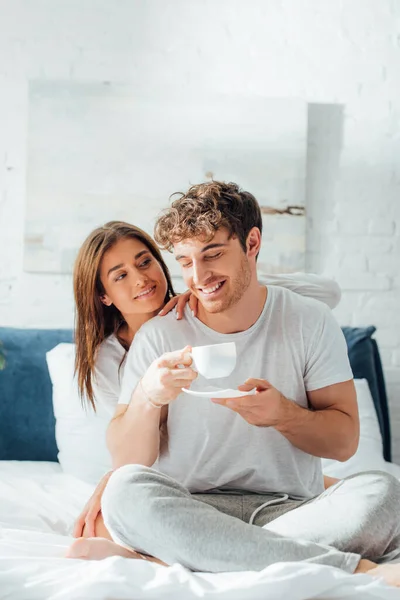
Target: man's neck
(242, 315)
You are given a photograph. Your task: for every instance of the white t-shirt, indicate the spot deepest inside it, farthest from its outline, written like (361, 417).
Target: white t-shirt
(108, 372)
(296, 345)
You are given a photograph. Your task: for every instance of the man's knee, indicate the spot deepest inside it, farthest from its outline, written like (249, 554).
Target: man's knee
(129, 474)
(129, 508)
(384, 487)
(128, 484)
(390, 487)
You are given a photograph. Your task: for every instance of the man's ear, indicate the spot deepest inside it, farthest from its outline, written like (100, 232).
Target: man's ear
(253, 242)
(105, 300)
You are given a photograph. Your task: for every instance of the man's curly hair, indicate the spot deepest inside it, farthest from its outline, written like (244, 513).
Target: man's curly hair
(204, 209)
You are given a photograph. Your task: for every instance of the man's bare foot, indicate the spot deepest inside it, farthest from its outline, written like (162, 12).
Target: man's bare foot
(389, 573)
(99, 548)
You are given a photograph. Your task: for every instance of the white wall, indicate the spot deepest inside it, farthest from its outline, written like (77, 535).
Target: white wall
(342, 57)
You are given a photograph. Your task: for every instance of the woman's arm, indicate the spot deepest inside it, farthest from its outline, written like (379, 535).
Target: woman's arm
(133, 435)
(307, 284)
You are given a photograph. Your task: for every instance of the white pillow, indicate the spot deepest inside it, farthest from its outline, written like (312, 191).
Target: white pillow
(370, 449)
(80, 432)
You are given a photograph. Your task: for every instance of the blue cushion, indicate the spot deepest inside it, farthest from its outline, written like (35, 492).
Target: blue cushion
(26, 411)
(366, 364)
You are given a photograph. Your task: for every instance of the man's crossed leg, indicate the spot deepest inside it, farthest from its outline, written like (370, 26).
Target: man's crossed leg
(358, 518)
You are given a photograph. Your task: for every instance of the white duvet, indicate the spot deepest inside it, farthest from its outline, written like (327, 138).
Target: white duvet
(38, 505)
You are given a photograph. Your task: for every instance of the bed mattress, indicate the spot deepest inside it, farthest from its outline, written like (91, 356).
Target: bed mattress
(38, 506)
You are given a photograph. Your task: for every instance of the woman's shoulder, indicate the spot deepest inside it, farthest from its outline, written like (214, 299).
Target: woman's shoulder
(110, 352)
(108, 371)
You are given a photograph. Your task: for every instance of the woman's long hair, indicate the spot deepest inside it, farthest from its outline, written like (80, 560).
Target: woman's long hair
(94, 321)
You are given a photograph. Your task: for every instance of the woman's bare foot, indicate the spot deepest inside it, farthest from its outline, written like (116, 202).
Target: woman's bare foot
(99, 548)
(389, 573)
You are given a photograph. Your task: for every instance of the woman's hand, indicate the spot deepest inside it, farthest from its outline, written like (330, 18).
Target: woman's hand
(328, 481)
(164, 379)
(91, 510)
(180, 302)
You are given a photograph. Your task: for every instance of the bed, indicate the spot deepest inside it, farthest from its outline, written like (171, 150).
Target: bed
(39, 503)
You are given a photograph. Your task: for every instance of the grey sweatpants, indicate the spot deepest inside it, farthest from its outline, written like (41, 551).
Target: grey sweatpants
(148, 511)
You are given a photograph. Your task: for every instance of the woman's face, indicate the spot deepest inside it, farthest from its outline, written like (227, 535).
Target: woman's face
(132, 278)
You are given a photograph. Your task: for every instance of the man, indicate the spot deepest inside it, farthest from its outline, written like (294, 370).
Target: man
(230, 464)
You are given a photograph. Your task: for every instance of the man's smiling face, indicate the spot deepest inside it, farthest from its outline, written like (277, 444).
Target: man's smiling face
(217, 271)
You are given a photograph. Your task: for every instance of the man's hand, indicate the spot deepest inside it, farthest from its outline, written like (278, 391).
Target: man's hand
(265, 408)
(329, 430)
(166, 376)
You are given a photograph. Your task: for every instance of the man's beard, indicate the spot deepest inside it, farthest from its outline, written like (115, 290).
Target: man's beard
(238, 288)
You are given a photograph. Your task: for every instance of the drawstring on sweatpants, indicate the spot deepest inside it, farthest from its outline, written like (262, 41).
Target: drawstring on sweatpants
(271, 502)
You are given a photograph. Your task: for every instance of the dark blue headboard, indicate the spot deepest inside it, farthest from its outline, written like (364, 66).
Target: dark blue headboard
(26, 409)
(366, 364)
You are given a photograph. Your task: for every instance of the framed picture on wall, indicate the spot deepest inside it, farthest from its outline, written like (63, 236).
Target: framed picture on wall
(97, 152)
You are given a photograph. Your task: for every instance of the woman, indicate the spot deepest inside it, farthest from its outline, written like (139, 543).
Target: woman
(120, 282)
(114, 266)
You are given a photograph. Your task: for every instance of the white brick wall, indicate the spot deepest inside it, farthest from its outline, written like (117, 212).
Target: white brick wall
(342, 57)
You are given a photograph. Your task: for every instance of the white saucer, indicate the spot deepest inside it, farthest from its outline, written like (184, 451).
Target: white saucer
(218, 393)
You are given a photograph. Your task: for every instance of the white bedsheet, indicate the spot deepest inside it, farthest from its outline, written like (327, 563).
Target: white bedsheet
(38, 505)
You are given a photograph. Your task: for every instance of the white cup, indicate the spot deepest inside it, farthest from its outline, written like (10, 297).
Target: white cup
(217, 360)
